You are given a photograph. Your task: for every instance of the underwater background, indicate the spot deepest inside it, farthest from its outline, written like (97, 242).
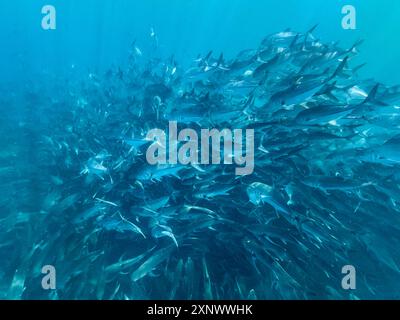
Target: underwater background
(77, 194)
(97, 33)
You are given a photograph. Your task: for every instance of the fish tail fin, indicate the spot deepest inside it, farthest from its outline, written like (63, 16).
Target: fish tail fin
(356, 44)
(220, 60)
(294, 41)
(372, 96)
(309, 33)
(313, 29)
(356, 69)
(339, 69)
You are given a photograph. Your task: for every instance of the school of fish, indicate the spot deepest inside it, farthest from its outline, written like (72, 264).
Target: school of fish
(77, 192)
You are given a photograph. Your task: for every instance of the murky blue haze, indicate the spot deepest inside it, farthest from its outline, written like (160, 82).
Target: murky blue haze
(77, 193)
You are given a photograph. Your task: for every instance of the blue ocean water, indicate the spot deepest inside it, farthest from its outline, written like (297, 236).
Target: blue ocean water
(94, 34)
(78, 195)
